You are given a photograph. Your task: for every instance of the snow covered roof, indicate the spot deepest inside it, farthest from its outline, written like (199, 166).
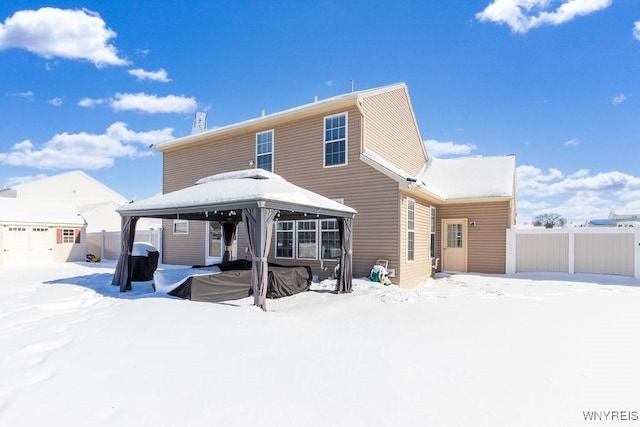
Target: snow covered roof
(237, 190)
(469, 177)
(26, 211)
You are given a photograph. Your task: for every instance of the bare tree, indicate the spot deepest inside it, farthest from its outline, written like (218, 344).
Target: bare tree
(549, 220)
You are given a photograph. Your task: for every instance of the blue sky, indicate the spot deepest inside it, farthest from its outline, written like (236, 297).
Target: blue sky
(91, 85)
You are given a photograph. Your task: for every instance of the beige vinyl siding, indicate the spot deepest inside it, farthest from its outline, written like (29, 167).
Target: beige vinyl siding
(487, 241)
(184, 249)
(298, 157)
(391, 131)
(68, 252)
(413, 273)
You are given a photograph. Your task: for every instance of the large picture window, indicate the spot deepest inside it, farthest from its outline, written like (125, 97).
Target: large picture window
(335, 140)
(329, 239)
(411, 229)
(264, 150)
(284, 239)
(307, 239)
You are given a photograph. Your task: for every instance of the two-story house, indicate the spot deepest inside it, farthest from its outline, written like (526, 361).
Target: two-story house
(363, 149)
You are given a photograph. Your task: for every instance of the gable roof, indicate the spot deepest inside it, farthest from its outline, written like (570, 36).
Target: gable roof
(237, 190)
(25, 211)
(316, 107)
(75, 187)
(469, 177)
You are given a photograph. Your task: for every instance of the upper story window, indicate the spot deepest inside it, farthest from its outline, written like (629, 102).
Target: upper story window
(335, 140)
(264, 150)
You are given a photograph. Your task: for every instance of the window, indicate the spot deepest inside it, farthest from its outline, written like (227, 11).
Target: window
(264, 150)
(180, 226)
(432, 239)
(335, 140)
(284, 239)
(454, 235)
(67, 235)
(215, 239)
(329, 239)
(307, 244)
(411, 229)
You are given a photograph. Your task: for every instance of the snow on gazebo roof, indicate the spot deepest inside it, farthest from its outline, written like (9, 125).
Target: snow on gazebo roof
(35, 211)
(236, 190)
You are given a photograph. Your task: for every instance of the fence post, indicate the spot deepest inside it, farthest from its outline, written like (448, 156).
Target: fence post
(510, 267)
(636, 253)
(102, 244)
(572, 251)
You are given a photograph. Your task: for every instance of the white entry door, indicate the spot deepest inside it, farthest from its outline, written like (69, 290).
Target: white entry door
(454, 245)
(40, 244)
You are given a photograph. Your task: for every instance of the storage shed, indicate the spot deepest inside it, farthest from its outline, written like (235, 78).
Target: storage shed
(34, 232)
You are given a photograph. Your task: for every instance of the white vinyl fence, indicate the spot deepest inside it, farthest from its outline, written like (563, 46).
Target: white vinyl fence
(574, 250)
(106, 244)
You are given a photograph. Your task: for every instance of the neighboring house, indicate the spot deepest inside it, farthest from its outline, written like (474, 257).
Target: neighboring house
(365, 150)
(33, 232)
(95, 201)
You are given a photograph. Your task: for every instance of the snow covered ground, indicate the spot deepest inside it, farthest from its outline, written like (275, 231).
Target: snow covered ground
(460, 350)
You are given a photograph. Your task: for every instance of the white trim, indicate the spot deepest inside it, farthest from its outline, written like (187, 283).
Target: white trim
(346, 139)
(273, 144)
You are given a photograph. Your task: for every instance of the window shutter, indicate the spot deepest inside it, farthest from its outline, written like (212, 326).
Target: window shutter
(58, 235)
(77, 237)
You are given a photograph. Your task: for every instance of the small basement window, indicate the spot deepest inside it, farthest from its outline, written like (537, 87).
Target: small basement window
(180, 226)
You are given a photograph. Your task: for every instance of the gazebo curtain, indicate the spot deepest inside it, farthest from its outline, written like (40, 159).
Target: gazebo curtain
(122, 274)
(345, 278)
(258, 222)
(228, 235)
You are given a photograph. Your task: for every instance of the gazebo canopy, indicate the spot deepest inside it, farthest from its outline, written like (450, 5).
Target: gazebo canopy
(256, 196)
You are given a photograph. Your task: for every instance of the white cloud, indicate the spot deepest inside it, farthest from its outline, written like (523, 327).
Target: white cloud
(56, 102)
(92, 151)
(90, 102)
(329, 83)
(618, 99)
(636, 30)
(158, 76)
(572, 142)
(577, 196)
(438, 148)
(28, 95)
(532, 181)
(524, 15)
(15, 180)
(71, 34)
(144, 103)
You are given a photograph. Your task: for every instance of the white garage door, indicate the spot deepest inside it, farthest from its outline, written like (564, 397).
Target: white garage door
(25, 245)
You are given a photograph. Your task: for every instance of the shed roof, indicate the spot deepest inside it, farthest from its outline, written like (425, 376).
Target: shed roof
(26, 211)
(236, 190)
